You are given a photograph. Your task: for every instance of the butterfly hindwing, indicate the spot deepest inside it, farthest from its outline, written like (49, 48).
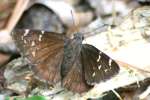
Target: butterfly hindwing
(72, 70)
(97, 65)
(75, 80)
(44, 50)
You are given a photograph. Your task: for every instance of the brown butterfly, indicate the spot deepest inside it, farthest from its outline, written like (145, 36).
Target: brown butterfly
(56, 58)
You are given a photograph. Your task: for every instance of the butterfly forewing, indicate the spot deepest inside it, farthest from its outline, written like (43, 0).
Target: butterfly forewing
(97, 65)
(44, 50)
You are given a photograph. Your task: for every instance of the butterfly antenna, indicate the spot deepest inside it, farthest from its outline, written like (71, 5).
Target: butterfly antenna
(97, 30)
(73, 20)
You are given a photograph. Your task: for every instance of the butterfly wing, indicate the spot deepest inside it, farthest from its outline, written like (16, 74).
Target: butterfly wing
(43, 50)
(72, 71)
(75, 80)
(97, 66)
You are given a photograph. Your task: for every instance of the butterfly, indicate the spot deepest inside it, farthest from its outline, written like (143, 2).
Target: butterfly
(56, 58)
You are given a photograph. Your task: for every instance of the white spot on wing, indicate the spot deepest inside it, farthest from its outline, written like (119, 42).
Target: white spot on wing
(106, 70)
(33, 43)
(110, 61)
(42, 32)
(26, 32)
(40, 37)
(33, 53)
(99, 67)
(99, 57)
(93, 75)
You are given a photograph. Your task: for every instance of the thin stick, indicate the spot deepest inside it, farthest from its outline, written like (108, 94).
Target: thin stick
(134, 67)
(117, 94)
(145, 94)
(113, 12)
(18, 11)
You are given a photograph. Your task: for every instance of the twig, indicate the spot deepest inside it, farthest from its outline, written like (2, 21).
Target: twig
(117, 94)
(124, 64)
(18, 11)
(145, 94)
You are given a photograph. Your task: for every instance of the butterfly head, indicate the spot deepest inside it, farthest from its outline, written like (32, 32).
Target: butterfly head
(79, 36)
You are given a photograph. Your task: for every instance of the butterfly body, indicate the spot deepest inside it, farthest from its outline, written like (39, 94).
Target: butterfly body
(55, 58)
(72, 48)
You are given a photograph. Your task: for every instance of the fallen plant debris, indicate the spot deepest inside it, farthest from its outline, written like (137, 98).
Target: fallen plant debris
(127, 42)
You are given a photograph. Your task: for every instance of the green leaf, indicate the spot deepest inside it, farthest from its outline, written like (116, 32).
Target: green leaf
(33, 98)
(36, 98)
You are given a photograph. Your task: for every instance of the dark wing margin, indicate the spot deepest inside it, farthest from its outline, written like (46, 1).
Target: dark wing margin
(44, 50)
(97, 66)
